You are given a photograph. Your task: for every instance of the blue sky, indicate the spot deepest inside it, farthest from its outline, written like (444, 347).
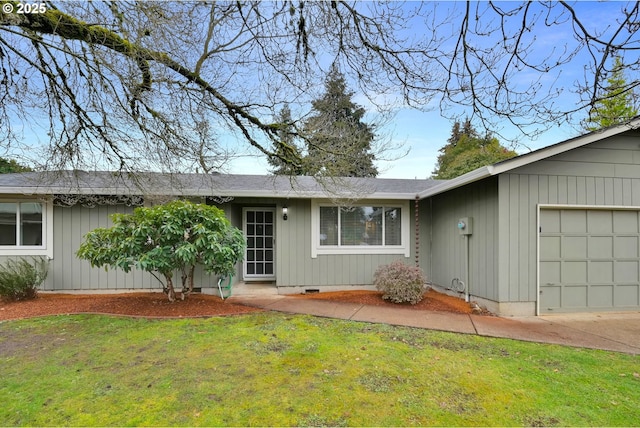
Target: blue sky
(423, 133)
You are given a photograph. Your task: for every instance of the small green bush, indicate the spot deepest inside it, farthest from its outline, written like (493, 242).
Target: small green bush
(400, 283)
(20, 279)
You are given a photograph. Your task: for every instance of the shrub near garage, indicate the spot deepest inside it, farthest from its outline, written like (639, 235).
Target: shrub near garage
(400, 283)
(20, 279)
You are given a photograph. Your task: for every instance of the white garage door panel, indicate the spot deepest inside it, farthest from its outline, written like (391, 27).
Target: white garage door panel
(589, 260)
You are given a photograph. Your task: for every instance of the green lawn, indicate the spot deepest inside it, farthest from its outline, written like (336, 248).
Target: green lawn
(269, 369)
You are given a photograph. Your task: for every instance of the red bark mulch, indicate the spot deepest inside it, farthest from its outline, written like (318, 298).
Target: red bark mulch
(432, 301)
(143, 304)
(156, 304)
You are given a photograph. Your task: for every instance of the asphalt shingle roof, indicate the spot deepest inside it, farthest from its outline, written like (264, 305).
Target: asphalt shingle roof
(115, 183)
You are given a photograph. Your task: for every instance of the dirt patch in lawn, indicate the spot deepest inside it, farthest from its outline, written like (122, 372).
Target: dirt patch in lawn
(156, 304)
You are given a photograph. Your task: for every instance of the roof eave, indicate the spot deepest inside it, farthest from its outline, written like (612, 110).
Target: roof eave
(43, 191)
(469, 177)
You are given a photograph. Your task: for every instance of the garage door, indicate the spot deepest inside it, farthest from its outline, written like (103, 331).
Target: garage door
(589, 260)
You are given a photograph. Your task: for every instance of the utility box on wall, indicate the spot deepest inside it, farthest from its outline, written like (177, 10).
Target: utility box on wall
(465, 226)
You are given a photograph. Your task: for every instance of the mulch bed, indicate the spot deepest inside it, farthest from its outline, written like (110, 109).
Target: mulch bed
(432, 301)
(156, 304)
(143, 304)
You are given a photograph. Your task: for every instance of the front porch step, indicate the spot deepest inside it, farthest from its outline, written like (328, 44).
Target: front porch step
(254, 289)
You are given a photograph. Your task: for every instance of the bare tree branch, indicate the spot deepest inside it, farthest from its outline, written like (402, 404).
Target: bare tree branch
(152, 85)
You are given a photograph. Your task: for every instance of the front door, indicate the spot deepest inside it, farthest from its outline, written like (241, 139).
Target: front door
(259, 263)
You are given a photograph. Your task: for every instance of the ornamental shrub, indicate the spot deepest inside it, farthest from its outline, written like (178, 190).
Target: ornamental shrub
(162, 239)
(400, 283)
(20, 279)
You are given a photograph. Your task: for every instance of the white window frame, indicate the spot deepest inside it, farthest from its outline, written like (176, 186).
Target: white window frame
(46, 249)
(404, 247)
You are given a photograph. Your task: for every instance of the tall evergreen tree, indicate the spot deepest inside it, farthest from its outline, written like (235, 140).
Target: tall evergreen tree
(338, 141)
(287, 159)
(616, 104)
(466, 150)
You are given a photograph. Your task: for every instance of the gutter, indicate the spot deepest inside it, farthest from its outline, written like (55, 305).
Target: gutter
(31, 191)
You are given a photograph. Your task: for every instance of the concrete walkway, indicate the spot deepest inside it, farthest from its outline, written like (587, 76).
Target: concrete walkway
(608, 331)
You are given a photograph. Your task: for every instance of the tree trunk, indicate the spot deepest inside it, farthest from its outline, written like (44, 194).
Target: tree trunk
(187, 291)
(171, 293)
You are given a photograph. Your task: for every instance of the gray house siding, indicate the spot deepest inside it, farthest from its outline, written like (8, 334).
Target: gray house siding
(233, 211)
(517, 213)
(295, 266)
(447, 248)
(67, 272)
(425, 237)
(600, 174)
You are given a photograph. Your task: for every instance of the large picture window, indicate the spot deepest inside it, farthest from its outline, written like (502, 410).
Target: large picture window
(23, 228)
(375, 228)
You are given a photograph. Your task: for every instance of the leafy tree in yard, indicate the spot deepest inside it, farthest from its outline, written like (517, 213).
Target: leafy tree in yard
(616, 105)
(466, 150)
(10, 165)
(338, 142)
(165, 238)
